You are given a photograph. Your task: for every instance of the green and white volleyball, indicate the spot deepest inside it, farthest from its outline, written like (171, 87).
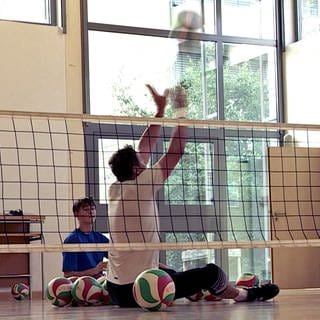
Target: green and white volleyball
(154, 290)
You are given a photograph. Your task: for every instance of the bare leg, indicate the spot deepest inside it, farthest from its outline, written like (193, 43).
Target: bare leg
(230, 293)
(262, 293)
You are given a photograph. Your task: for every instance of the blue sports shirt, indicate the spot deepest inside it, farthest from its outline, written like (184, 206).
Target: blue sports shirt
(79, 261)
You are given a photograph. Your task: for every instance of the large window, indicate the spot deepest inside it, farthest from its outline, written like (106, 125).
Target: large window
(308, 17)
(230, 66)
(36, 11)
(127, 50)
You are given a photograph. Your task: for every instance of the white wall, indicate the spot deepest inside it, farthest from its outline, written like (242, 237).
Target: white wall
(41, 71)
(40, 66)
(302, 69)
(32, 67)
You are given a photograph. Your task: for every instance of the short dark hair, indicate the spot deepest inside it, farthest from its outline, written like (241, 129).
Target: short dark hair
(83, 202)
(122, 163)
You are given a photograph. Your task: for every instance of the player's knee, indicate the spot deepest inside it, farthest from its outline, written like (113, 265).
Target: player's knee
(220, 281)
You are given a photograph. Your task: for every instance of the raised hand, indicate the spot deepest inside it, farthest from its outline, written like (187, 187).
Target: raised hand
(178, 98)
(160, 100)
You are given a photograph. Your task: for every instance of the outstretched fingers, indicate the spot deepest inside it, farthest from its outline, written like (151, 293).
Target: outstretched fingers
(155, 93)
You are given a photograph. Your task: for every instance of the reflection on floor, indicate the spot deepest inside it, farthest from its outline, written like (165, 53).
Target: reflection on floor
(289, 305)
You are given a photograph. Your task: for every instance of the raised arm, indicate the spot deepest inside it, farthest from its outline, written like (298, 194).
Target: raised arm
(175, 151)
(150, 136)
(179, 135)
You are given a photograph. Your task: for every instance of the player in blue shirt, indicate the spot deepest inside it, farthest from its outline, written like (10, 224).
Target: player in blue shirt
(84, 263)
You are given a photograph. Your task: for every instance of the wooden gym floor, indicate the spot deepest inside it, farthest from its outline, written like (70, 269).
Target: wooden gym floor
(290, 304)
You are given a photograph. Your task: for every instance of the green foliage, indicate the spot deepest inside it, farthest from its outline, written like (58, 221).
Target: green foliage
(174, 258)
(245, 91)
(242, 92)
(245, 99)
(127, 104)
(187, 183)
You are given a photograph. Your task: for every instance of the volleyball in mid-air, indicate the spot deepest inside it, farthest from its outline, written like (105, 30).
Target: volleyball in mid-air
(58, 291)
(247, 280)
(154, 290)
(188, 20)
(86, 290)
(20, 290)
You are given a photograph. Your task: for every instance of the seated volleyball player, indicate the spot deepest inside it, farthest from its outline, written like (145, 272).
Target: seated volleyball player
(84, 263)
(133, 217)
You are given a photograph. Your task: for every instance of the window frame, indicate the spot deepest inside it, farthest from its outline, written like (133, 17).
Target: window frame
(218, 38)
(94, 132)
(52, 14)
(298, 17)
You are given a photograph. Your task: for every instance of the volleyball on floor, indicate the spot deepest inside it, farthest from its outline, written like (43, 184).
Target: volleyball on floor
(210, 297)
(247, 280)
(20, 291)
(196, 297)
(58, 291)
(73, 278)
(154, 290)
(105, 296)
(86, 290)
(101, 279)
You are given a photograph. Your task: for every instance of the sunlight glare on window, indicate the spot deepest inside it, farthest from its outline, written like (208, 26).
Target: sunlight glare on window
(27, 11)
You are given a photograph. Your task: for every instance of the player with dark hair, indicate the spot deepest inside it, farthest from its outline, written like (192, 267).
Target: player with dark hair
(84, 263)
(133, 217)
(123, 162)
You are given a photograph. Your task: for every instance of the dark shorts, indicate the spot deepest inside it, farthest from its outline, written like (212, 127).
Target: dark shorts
(186, 282)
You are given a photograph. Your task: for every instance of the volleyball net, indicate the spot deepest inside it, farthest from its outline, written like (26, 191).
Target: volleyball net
(238, 185)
